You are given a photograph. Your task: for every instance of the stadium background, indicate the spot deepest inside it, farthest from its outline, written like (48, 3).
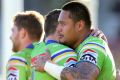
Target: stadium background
(105, 15)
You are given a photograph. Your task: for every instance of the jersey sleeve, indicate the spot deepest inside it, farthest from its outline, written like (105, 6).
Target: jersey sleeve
(65, 56)
(17, 68)
(93, 53)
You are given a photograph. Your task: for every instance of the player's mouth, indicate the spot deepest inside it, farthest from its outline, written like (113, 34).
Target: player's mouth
(61, 36)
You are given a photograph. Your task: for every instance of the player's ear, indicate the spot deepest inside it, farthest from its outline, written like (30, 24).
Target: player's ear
(23, 33)
(80, 25)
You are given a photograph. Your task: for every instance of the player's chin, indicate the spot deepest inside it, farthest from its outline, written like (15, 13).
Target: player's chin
(62, 41)
(14, 49)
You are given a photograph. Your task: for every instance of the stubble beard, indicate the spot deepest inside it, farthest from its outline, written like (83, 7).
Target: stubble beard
(15, 48)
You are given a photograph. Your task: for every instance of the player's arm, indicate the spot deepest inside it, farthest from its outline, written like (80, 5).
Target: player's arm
(82, 71)
(88, 67)
(90, 62)
(17, 69)
(68, 55)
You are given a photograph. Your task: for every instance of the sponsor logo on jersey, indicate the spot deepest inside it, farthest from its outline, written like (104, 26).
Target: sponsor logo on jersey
(13, 74)
(89, 56)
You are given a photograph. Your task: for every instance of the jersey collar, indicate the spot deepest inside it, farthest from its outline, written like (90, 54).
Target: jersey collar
(30, 46)
(50, 41)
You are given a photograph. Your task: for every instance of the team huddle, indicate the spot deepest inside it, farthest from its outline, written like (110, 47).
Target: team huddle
(69, 51)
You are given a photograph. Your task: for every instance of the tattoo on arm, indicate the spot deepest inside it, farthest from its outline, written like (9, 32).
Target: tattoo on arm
(82, 71)
(68, 73)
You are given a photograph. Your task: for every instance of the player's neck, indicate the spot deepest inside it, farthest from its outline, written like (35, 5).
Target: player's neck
(82, 37)
(25, 43)
(51, 37)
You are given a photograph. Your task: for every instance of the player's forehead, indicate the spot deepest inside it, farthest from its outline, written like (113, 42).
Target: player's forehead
(64, 15)
(14, 28)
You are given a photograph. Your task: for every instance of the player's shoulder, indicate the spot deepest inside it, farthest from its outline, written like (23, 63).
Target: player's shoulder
(17, 60)
(93, 45)
(96, 40)
(26, 52)
(58, 46)
(15, 63)
(17, 56)
(23, 53)
(92, 41)
(38, 48)
(39, 44)
(58, 49)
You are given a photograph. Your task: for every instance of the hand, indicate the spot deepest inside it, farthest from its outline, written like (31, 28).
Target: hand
(40, 61)
(98, 33)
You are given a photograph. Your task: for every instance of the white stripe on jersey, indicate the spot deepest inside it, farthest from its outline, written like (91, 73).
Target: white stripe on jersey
(94, 47)
(65, 56)
(61, 51)
(17, 57)
(15, 64)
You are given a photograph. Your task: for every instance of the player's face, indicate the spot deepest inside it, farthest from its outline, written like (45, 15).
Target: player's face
(66, 29)
(15, 39)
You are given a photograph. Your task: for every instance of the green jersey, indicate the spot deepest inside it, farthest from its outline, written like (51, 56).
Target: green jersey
(96, 51)
(18, 67)
(60, 54)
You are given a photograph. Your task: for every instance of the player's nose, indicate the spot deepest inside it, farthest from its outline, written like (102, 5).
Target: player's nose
(58, 29)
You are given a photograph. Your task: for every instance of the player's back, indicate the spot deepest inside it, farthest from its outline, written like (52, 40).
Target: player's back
(96, 51)
(38, 51)
(60, 54)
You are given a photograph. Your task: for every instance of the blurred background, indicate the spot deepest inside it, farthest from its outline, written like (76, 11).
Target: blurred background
(105, 15)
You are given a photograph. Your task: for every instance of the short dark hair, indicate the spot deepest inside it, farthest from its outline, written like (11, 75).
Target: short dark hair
(32, 21)
(51, 21)
(78, 11)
